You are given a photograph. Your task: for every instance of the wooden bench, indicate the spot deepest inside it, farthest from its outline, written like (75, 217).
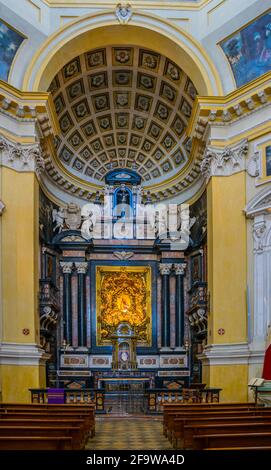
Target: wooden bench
(240, 448)
(191, 431)
(171, 410)
(77, 442)
(89, 424)
(178, 432)
(230, 441)
(172, 422)
(35, 443)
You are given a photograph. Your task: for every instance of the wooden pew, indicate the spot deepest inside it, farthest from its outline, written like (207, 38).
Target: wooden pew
(240, 448)
(191, 431)
(230, 441)
(35, 443)
(48, 422)
(87, 426)
(89, 423)
(172, 410)
(45, 431)
(172, 423)
(42, 422)
(178, 432)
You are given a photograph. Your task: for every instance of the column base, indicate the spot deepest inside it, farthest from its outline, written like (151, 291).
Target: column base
(226, 366)
(22, 367)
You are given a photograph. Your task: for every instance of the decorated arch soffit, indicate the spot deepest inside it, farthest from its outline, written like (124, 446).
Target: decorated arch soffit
(122, 107)
(140, 124)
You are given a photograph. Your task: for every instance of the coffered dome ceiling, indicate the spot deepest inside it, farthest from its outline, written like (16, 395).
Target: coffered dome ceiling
(122, 107)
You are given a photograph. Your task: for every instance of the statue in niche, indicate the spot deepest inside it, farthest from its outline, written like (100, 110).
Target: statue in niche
(123, 202)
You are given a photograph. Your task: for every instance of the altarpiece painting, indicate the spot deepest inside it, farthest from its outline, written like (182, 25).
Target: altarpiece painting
(123, 294)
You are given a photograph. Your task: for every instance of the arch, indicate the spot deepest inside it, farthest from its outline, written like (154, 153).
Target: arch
(260, 203)
(97, 30)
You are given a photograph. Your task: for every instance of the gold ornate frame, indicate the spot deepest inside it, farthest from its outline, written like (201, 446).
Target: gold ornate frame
(146, 325)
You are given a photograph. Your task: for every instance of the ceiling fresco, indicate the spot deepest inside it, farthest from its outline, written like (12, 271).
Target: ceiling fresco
(122, 107)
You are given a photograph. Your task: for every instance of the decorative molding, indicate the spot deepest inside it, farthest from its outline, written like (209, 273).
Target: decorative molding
(224, 161)
(262, 267)
(100, 361)
(123, 255)
(74, 360)
(66, 266)
(22, 354)
(179, 268)
(73, 239)
(123, 13)
(165, 268)
(225, 354)
(21, 157)
(260, 204)
(252, 167)
(2, 207)
(81, 267)
(173, 361)
(259, 231)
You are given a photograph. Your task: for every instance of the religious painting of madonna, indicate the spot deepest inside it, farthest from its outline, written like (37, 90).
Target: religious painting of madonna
(123, 294)
(249, 50)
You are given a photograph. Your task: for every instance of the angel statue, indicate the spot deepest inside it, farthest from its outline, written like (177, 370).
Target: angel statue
(58, 219)
(91, 214)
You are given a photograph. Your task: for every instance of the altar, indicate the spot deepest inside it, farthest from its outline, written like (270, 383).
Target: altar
(124, 384)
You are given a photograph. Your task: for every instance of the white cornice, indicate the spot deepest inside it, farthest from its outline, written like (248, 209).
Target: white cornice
(225, 354)
(22, 354)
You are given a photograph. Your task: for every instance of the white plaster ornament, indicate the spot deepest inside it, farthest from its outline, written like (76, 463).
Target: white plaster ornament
(123, 13)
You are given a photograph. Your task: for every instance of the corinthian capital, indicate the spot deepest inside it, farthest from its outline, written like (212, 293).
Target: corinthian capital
(81, 267)
(224, 161)
(165, 268)
(66, 266)
(179, 268)
(21, 157)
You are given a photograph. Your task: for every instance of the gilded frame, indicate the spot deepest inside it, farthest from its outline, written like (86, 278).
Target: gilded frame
(146, 270)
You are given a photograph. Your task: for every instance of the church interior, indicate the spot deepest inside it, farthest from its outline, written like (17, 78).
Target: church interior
(135, 224)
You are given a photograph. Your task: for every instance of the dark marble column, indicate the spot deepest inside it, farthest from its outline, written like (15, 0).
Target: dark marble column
(67, 301)
(81, 269)
(165, 304)
(179, 269)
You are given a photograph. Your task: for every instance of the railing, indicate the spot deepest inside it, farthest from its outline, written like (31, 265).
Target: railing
(154, 399)
(75, 396)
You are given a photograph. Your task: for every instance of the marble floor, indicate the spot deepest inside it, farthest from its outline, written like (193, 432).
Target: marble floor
(129, 433)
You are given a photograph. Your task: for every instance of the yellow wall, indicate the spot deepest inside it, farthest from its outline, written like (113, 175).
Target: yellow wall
(232, 379)
(20, 278)
(227, 271)
(17, 379)
(226, 199)
(20, 256)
